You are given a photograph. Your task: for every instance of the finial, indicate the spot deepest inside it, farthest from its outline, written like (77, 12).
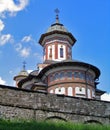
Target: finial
(24, 65)
(57, 17)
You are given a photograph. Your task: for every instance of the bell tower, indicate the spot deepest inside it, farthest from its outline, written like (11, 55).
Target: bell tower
(57, 42)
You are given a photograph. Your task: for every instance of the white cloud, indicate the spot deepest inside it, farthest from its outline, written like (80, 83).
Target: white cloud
(11, 6)
(5, 39)
(3, 82)
(27, 38)
(25, 52)
(29, 71)
(105, 97)
(1, 25)
(18, 47)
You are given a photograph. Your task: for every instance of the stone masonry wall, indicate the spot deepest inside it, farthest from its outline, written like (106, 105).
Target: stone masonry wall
(23, 104)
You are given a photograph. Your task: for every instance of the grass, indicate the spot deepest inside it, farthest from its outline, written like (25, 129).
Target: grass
(33, 125)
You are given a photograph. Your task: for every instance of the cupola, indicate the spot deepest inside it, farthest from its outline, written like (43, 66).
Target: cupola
(22, 75)
(57, 42)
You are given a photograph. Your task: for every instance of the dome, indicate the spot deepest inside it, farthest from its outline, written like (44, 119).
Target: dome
(57, 27)
(23, 73)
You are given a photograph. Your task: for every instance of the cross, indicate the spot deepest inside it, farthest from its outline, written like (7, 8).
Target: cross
(57, 17)
(24, 65)
(57, 11)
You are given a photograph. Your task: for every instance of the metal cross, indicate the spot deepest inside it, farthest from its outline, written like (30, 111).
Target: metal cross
(57, 17)
(24, 65)
(57, 11)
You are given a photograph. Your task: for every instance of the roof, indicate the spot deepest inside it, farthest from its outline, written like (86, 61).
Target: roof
(59, 64)
(57, 28)
(100, 92)
(22, 73)
(70, 63)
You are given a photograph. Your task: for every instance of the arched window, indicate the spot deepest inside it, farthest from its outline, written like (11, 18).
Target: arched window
(89, 93)
(61, 52)
(62, 75)
(69, 52)
(50, 55)
(76, 75)
(51, 78)
(82, 76)
(80, 92)
(56, 76)
(51, 91)
(60, 90)
(44, 51)
(70, 92)
(69, 74)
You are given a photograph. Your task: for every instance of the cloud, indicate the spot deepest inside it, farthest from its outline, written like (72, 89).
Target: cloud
(29, 71)
(105, 97)
(5, 39)
(27, 38)
(18, 47)
(25, 52)
(12, 6)
(3, 82)
(1, 25)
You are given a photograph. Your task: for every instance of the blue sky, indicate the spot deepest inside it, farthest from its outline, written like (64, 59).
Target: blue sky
(23, 21)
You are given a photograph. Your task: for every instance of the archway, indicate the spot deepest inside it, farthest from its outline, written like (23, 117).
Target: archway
(56, 119)
(93, 122)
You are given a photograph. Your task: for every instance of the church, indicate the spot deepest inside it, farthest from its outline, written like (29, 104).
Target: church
(59, 73)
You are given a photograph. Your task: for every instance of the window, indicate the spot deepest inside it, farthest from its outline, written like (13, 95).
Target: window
(56, 76)
(80, 89)
(62, 75)
(61, 52)
(69, 74)
(44, 51)
(51, 91)
(89, 78)
(76, 74)
(89, 93)
(50, 55)
(60, 90)
(82, 76)
(51, 78)
(70, 91)
(93, 93)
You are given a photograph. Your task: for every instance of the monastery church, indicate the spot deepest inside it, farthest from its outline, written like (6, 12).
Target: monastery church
(59, 73)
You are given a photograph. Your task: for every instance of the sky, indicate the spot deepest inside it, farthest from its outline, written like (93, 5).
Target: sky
(23, 21)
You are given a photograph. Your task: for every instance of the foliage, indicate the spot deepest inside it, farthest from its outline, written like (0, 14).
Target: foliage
(33, 125)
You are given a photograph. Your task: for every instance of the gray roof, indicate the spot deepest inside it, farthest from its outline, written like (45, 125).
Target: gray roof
(23, 73)
(58, 27)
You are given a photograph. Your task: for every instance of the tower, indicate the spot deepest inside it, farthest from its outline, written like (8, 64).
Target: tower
(57, 42)
(22, 75)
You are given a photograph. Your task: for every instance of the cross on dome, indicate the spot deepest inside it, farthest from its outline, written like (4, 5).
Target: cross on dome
(24, 65)
(57, 16)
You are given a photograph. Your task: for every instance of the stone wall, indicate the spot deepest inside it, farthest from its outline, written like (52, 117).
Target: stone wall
(23, 104)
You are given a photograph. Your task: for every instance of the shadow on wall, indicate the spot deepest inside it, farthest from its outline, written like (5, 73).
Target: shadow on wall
(56, 119)
(92, 122)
